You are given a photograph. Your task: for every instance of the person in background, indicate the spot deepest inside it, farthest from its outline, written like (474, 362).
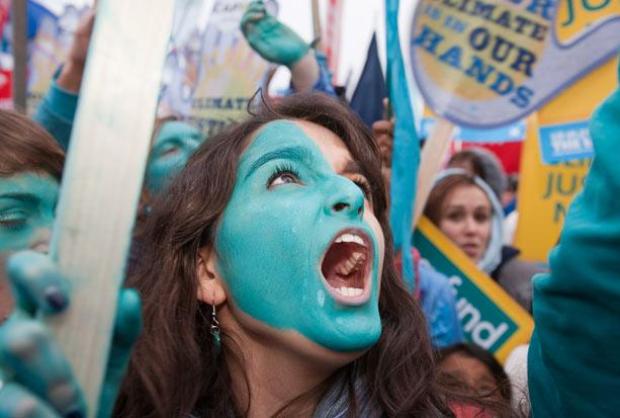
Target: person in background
(484, 164)
(30, 171)
(469, 213)
(174, 140)
(475, 369)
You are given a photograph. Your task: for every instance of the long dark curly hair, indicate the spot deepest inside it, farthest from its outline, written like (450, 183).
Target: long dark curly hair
(174, 371)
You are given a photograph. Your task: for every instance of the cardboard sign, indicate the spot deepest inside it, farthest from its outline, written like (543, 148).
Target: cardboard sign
(52, 36)
(212, 72)
(546, 190)
(489, 316)
(488, 63)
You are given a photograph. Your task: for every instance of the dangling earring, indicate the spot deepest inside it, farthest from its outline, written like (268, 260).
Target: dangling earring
(215, 330)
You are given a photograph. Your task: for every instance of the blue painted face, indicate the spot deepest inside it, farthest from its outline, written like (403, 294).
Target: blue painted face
(175, 143)
(298, 246)
(27, 205)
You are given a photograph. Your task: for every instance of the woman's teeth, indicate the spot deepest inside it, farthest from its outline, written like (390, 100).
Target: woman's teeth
(352, 264)
(349, 291)
(354, 238)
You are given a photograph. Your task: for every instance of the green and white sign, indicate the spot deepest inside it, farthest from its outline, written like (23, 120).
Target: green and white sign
(489, 316)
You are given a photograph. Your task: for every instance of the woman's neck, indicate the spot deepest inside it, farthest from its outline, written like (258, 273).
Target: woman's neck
(268, 376)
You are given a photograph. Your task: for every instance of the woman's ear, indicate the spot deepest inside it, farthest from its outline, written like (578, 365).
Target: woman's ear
(210, 289)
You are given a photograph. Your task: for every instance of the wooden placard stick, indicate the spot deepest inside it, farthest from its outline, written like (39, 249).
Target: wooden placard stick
(316, 25)
(103, 176)
(431, 160)
(19, 19)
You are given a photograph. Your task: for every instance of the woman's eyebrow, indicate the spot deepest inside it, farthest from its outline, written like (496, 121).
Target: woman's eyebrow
(24, 197)
(288, 153)
(353, 167)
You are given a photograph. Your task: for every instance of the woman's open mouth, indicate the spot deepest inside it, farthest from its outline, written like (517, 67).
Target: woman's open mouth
(346, 267)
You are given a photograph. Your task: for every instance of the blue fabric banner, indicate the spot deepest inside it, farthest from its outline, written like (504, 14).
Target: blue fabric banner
(406, 148)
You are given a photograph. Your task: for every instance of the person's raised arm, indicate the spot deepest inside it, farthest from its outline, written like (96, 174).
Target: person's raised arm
(56, 112)
(279, 44)
(574, 360)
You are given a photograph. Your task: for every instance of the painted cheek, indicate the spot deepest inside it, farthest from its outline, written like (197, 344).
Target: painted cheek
(270, 244)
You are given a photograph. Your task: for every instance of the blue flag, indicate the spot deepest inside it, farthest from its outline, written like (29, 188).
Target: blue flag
(406, 148)
(367, 100)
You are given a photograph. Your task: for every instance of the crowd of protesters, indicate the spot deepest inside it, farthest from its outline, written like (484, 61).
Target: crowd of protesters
(262, 278)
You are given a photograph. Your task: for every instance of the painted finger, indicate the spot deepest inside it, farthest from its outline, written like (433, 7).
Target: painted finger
(254, 12)
(36, 362)
(17, 402)
(255, 16)
(37, 284)
(127, 328)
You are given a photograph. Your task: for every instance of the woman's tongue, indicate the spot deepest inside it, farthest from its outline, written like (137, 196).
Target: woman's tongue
(345, 272)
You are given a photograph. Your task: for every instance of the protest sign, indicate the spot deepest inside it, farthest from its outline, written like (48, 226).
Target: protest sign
(548, 183)
(488, 63)
(489, 316)
(212, 71)
(50, 36)
(102, 178)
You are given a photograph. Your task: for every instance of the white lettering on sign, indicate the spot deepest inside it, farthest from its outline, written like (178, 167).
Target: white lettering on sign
(571, 141)
(483, 333)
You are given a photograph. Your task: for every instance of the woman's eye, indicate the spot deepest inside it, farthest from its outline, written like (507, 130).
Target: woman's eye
(482, 217)
(285, 177)
(454, 216)
(12, 222)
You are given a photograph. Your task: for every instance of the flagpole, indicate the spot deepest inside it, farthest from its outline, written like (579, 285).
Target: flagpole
(316, 25)
(19, 11)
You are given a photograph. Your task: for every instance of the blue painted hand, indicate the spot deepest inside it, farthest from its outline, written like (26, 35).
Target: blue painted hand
(270, 38)
(41, 383)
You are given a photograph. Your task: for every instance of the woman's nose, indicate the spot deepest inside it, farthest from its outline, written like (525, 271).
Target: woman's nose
(41, 240)
(344, 199)
(470, 225)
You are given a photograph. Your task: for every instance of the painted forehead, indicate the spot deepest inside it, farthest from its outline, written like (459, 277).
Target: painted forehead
(31, 183)
(283, 137)
(176, 129)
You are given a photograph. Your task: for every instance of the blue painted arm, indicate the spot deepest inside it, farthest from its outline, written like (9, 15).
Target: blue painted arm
(37, 378)
(574, 360)
(56, 113)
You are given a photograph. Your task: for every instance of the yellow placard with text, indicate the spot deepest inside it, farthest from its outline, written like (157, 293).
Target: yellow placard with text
(546, 190)
(489, 316)
(576, 18)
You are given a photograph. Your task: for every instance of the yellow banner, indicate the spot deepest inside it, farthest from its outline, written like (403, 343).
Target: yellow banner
(578, 17)
(546, 190)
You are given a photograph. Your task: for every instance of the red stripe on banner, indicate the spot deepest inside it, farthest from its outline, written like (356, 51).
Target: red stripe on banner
(5, 8)
(333, 30)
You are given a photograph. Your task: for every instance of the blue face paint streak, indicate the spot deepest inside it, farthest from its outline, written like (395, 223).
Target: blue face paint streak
(175, 143)
(270, 242)
(27, 205)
